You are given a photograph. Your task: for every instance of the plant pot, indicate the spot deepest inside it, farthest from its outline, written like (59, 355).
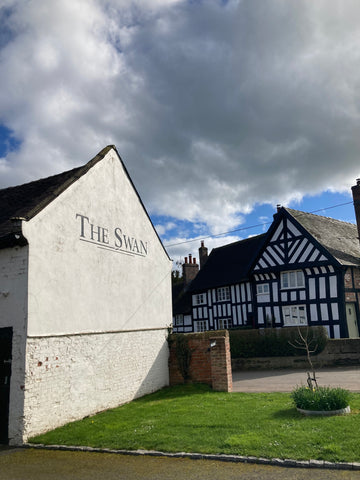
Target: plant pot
(324, 413)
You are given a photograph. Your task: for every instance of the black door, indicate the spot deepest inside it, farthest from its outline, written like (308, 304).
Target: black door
(5, 374)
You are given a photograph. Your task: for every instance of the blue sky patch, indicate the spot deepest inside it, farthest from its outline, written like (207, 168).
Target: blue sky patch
(8, 141)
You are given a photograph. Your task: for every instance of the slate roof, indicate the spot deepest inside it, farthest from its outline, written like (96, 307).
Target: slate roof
(339, 238)
(181, 299)
(228, 264)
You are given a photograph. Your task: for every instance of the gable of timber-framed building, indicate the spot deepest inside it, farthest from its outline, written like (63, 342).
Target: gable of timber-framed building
(304, 271)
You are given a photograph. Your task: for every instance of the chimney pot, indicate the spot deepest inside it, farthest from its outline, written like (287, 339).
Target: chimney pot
(278, 206)
(356, 198)
(189, 269)
(203, 255)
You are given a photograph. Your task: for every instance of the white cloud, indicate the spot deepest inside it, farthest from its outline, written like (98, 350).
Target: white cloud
(214, 106)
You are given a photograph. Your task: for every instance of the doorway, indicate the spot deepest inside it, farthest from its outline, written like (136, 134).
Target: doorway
(5, 375)
(352, 321)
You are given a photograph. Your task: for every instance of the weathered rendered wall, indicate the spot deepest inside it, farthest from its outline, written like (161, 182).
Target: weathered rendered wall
(82, 278)
(345, 351)
(69, 377)
(209, 364)
(98, 303)
(13, 311)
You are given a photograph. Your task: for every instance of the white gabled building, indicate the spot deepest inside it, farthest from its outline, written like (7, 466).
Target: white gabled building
(85, 298)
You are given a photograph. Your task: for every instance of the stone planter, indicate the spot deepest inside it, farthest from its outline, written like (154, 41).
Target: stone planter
(324, 413)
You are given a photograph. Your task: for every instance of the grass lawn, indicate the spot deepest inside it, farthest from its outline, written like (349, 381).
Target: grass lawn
(193, 418)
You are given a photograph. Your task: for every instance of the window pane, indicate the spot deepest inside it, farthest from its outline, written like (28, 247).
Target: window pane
(292, 279)
(300, 279)
(285, 280)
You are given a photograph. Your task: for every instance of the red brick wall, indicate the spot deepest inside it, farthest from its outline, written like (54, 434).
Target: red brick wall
(210, 365)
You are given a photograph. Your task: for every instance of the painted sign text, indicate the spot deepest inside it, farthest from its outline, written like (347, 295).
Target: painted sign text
(115, 239)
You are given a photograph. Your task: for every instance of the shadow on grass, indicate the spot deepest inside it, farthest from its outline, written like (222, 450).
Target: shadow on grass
(286, 414)
(177, 391)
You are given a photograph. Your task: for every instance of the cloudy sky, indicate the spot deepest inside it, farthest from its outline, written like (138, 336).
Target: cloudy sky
(219, 109)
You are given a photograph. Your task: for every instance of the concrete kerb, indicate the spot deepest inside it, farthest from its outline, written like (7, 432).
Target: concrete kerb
(277, 462)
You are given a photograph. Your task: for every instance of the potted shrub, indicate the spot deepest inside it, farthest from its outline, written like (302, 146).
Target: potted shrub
(321, 400)
(315, 400)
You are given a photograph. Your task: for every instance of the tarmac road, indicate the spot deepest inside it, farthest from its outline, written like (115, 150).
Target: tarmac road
(285, 380)
(34, 464)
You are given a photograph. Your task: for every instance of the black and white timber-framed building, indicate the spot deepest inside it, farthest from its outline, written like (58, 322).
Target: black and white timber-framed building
(304, 271)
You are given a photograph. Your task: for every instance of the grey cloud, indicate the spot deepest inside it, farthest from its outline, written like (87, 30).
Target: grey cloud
(213, 107)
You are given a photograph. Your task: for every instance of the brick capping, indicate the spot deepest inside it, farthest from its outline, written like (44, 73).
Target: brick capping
(210, 360)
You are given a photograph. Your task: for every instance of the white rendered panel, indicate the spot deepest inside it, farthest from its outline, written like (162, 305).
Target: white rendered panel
(324, 312)
(333, 286)
(312, 289)
(313, 313)
(278, 231)
(335, 311)
(293, 229)
(275, 291)
(322, 287)
(294, 258)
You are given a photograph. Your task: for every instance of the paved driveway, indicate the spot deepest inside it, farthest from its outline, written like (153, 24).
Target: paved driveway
(286, 380)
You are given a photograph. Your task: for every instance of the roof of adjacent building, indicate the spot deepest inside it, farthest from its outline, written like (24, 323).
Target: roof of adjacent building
(228, 265)
(339, 238)
(181, 299)
(27, 200)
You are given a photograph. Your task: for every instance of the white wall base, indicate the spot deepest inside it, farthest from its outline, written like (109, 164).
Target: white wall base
(70, 377)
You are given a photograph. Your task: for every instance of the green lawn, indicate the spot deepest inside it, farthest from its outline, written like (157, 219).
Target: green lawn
(193, 418)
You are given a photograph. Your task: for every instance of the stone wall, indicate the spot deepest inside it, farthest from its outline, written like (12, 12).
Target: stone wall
(70, 377)
(338, 352)
(210, 360)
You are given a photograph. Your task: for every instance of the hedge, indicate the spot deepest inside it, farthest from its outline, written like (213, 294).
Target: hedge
(274, 342)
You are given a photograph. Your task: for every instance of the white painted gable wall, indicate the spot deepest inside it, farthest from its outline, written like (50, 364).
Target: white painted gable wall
(96, 318)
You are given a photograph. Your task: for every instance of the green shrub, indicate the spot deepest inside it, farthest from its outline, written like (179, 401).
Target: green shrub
(322, 398)
(273, 342)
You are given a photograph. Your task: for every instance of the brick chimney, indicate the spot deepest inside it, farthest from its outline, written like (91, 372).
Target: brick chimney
(189, 269)
(356, 197)
(203, 255)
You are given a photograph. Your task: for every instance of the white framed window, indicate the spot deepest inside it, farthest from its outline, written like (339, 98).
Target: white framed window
(224, 323)
(200, 326)
(223, 294)
(293, 279)
(199, 299)
(262, 289)
(294, 315)
(179, 320)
